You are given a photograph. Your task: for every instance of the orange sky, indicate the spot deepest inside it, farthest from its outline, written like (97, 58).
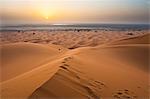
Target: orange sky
(74, 11)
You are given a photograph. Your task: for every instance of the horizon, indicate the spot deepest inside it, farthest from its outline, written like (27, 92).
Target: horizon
(69, 24)
(74, 27)
(74, 12)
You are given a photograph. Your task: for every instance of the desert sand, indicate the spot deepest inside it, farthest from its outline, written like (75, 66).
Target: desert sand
(116, 67)
(69, 39)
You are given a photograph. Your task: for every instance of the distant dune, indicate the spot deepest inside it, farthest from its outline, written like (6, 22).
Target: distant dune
(69, 39)
(40, 71)
(143, 39)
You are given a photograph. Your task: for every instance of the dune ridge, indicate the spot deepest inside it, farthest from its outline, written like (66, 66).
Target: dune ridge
(117, 70)
(143, 39)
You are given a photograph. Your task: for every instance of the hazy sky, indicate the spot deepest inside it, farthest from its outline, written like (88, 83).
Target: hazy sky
(74, 11)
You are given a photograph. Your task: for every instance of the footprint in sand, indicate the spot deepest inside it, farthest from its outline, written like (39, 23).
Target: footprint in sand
(124, 94)
(91, 86)
(68, 58)
(63, 67)
(65, 64)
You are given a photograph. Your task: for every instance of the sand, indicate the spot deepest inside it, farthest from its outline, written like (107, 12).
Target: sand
(117, 68)
(68, 39)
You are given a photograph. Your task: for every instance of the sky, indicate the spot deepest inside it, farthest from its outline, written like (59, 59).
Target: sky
(74, 11)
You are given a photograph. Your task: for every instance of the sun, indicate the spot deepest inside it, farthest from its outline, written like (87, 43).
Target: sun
(46, 17)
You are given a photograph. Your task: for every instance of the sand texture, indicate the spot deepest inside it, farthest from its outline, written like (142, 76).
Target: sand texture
(89, 66)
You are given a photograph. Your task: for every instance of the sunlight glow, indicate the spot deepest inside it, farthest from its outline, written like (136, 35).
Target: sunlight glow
(47, 17)
(69, 11)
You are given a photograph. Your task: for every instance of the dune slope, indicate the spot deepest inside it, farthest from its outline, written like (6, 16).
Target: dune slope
(24, 57)
(111, 71)
(117, 70)
(25, 66)
(144, 39)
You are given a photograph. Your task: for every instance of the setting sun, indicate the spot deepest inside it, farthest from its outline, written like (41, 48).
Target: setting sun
(72, 11)
(47, 18)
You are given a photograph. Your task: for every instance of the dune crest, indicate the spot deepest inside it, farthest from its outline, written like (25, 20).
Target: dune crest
(143, 39)
(25, 66)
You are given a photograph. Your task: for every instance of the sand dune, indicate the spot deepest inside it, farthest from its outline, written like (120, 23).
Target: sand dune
(25, 66)
(25, 56)
(117, 70)
(143, 39)
(69, 39)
